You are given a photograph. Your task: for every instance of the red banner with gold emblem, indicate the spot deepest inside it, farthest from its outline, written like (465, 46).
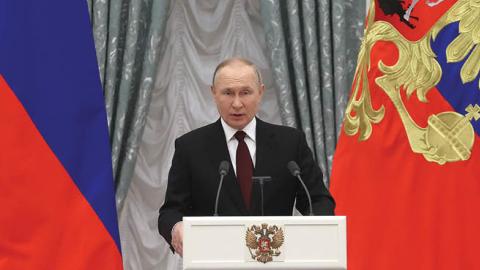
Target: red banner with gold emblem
(404, 168)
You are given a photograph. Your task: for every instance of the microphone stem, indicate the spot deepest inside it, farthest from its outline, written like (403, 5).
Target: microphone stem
(308, 194)
(218, 194)
(261, 194)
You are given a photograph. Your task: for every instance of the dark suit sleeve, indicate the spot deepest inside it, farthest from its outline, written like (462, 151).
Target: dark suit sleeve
(322, 202)
(178, 196)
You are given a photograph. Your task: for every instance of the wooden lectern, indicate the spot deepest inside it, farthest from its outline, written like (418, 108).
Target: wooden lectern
(295, 242)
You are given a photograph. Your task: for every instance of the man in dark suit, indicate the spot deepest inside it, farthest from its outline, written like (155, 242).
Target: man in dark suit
(252, 147)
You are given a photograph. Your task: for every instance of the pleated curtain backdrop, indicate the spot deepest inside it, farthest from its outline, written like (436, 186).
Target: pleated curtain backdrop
(313, 50)
(127, 38)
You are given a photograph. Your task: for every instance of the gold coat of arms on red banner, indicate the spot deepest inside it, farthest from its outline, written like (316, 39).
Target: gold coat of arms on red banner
(448, 136)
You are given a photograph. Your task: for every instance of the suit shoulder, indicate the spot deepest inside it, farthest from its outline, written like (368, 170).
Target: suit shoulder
(280, 129)
(197, 134)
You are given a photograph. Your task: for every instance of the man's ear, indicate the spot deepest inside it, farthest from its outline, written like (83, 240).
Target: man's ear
(212, 90)
(262, 89)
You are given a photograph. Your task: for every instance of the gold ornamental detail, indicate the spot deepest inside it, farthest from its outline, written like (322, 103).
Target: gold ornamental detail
(449, 136)
(264, 242)
(467, 43)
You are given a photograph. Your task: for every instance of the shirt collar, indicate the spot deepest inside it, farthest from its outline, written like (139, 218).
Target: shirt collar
(249, 129)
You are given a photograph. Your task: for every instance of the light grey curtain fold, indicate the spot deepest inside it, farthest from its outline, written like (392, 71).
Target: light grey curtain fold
(275, 39)
(313, 48)
(127, 37)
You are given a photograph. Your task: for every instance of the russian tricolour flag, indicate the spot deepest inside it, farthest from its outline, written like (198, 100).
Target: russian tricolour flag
(57, 208)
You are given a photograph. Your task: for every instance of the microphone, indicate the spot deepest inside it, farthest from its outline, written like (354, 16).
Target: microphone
(295, 171)
(222, 170)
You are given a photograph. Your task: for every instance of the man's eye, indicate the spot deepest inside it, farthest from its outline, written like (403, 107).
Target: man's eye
(227, 93)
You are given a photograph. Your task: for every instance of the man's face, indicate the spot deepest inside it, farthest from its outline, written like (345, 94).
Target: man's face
(237, 93)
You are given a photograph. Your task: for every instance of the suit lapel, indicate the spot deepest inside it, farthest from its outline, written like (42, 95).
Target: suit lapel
(218, 151)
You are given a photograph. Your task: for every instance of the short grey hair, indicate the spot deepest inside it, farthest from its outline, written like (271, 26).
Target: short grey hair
(232, 60)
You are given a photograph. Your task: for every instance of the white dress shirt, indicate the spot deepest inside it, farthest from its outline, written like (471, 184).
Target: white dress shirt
(232, 142)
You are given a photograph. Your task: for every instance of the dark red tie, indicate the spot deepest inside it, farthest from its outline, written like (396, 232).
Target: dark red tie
(244, 168)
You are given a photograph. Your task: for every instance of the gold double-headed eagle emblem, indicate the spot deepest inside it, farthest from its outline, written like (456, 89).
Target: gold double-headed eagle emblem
(449, 136)
(263, 242)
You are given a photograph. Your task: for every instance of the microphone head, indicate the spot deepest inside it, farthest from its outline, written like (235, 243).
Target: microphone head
(293, 168)
(223, 168)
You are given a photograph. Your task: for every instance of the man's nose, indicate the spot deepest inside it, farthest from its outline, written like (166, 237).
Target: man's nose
(237, 103)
